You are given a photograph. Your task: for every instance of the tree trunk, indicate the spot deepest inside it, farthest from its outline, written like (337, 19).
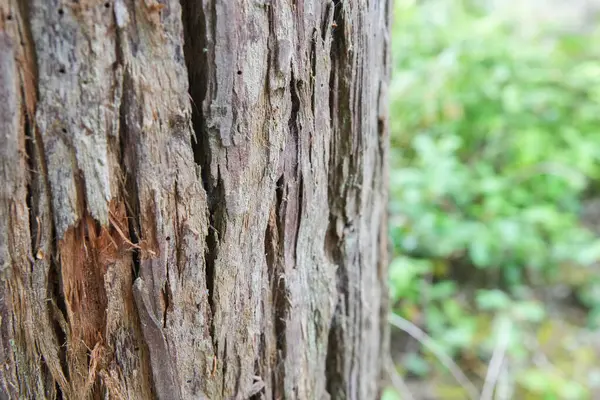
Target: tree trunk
(193, 198)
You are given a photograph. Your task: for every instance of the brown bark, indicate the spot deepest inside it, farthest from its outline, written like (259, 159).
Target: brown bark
(193, 198)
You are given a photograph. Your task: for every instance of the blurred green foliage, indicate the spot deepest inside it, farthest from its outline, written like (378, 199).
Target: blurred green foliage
(495, 146)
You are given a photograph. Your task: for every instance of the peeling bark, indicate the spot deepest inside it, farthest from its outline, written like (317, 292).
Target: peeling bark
(194, 199)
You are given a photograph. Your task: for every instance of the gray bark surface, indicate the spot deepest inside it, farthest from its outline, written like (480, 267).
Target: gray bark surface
(193, 198)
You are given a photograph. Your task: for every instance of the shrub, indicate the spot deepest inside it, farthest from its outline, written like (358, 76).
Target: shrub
(495, 145)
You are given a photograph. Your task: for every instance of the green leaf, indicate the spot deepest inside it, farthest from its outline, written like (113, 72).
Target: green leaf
(404, 274)
(390, 393)
(460, 337)
(530, 311)
(492, 300)
(571, 390)
(589, 254)
(435, 319)
(442, 290)
(479, 252)
(593, 318)
(416, 364)
(536, 381)
(454, 312)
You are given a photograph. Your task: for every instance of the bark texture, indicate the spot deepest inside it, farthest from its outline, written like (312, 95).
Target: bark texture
(193, 198)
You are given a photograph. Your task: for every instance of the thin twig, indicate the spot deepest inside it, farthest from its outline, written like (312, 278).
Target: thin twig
(397, 380)
(495, 368)
(429, 343)
(504, 389)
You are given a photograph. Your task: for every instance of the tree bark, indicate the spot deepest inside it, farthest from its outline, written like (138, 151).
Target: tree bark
(193, 198)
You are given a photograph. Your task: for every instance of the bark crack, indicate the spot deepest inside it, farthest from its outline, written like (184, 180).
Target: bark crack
(196, 56)
(293, 157)
(313, 71)
(339, 120)
(279, 298)
(127, 153)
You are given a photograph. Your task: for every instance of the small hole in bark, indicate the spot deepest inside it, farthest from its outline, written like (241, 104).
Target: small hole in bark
(9, 17)
(64, 130)
(239, 72)
(168, 238)
(61, 11)
(107, 5)
(62, 70)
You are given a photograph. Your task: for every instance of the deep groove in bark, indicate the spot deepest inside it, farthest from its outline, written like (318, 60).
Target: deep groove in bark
(293, 121)
(30, 156)
(333, 363)
(294, 155)
(271, 240)
(279, 302)
(59, 393)
(313, 69)
(335, 344)
(299, 211)
(196, 57)
(223, 375)
(325, 22)
(194, 31)
(334, 243)
(211, 252)
(209, 258)
(166, 296)
(131, 199)
(125, 146)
